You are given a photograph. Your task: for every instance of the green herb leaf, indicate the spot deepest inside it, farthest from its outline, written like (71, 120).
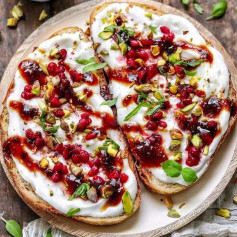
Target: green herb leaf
(190, 64)
(43, 125)
(110, 141)
(163, 72)
(198, 8)
(173, 214)
(86, 61)
(128, 30)
(189, 73)
(155, 108)
(142, 96)
(153, 29)
(80, 191)
(171, 168)
(72, 212)
(185, 2)
(111, 28)
(189, 175)
(13, 227)
(93, 67)
(49, 232)
(219, 9)
(110, 102)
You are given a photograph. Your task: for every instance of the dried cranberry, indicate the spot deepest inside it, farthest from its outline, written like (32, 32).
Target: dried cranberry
(28, 88)
(123, 178)
(39, 142)
(84, 156)
(52, 68)
(54, 102)
(56, 177)
(63, 54)
(27, 95)
(58, 167)
(164, 30)
(195, 151)
(162, 124)
(157, 115)
(93, 171)
(134, 43)
(30, 134)
(151, 125)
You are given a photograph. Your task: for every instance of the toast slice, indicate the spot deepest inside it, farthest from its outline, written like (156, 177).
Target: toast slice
(152, 55)
(41, 169)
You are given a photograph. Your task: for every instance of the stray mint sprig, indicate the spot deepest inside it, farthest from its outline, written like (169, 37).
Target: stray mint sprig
(185, 2)
(197, 7)
(49, 232)
(219, 9)
(13, 227)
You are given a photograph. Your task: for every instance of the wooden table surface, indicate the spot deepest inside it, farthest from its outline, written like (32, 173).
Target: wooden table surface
(225, 29)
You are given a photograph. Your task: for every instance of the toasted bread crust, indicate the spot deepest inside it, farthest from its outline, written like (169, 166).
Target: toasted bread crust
(26, 191)
(146, 176)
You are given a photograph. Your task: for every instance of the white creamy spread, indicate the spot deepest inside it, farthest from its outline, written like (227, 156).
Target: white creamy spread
(40, 183)
(213, 78)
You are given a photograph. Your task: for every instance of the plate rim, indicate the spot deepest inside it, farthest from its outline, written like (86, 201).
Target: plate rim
(49, 217)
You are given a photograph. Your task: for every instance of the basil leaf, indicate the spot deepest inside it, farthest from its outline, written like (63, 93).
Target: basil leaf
(110, 102)
(185, 2)
(86, 61)
(198, 8)
(93, 67)
(43, 125)
(219, 9)
(155, 108)
(189, 73)
(153, 29)
(190, 64)
(171, 168)
(80, 191)
(72, 212)
(189, 175)
(13, 227)
(49, 232)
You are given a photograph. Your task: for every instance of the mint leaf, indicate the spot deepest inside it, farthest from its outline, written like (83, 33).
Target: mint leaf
(189, 73)
(171, 168)
(80, 191)
(13, 227)
(49, 232)
(153, 29)
(86, 61)
(190, 64)
(219, 9)
(43, 125)
(128, 30)
(189, 175)
(93, 67)
(72, 212)
(110, 102)
(155, 108)
(185, 2)
(198, 8)
(106, 144)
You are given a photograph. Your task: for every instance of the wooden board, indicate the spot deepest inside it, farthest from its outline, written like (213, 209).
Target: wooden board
(81, 13)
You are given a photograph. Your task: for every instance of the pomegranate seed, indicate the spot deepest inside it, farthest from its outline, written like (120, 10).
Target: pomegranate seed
(179, 71)
(151, 71)
(94, 162)
(98, 179)
(91, 136)
(30, 134)
(39, 142)
(141, 73)
(63, 54)
(194, 151)
(162, 124)
(212, 124)
(132, 53)
(59, 113)
(82, 124)
(169, 37)
(64, 169)
(58, 147)
(52, 68)
(54, 102)
(147, 42)
(157, 115)
(207, 138)
(114, 174)
(84, 156)
(131, 63)
(200, 93)
(76, 158)
(65, 154)
(60, 69)
(187, 101)
(27, 95)
(189, 89)
(192, 160)
(123, 178)
(183, 94)
(134, 43)
(164, 30)
(58, 167)
(93, 171)
(56, 177)
(151, 139)
(85, 115)
(180, 105)
(62, 75)
(151, 125)
(28, 88)
(143, 54)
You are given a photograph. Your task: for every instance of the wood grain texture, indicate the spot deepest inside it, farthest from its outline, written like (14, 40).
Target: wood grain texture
(224, 29)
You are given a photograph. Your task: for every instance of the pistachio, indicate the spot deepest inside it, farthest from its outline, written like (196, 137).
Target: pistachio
(176, 134)
(114, 47)
(206, 150)
(50, 118)
(188, 107)
(235, 199)
(127, 202)
(197, 112)
(87, 31)
(105, 35)
(64, 126)
(51, 193)
(55, 160)
(104, 20)
(123, 48)
(54, 53)
(173, 89)
(76, 84)
(49, 90)
(44, 68)
(158, 95)
(196, 140)
(172, 71)
(173, 214)
(106, 191)
(42, 106)
(96, 45)
(188, 140)
(87, 131)
(74, 127)
(161, 62)
(175, 145)
(44, 163)
(109, 14)
(36, 88)
(11, 22)
(140, 62)
(81, 96)
(66, 113)
(169, 202)
(112, 151)
(178, 156)
(62, 100)
(194, 81)
(155, 50)
(177, 113)
(174, 57)
(50, 142)
(92, 194)
(149, 15)
(181, 205)
(165, 56)
(17, 13)
(43, 15)
(104, 52)
(146, 88)
(177, 81)
(224, 212)
(76, 170)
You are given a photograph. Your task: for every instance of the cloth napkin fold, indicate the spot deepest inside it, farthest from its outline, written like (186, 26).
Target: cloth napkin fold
(207, 224)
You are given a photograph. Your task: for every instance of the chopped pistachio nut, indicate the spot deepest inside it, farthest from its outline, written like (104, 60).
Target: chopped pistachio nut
(140, 62)
(155, 50)
(43, 15)
(64, 126)
(114, 47)
(149, 15)
(104, 20)
(96, 45)
(224, 212)
(105, 35)
(106, 191)
(36, 91)
(112, 151)
(123, 48)
(127, 202)
(235, 199)
(44, 163)
(161, 62)
(92, 194)
(194, 81)
(50, 118)
(206, 150)
(17, 13)
(42, 105)
(109, 14)
(165, 56)
(174, 57)
(81, 96)
(175, 145)
(66, 113)
(181, 205)
(173, 89)
(54, 53)
(55, 160)
(158, 95)
(173, 214)
(51, 193)
(197, 112)
(11, 22)
(169, 202)
(104, 52)
(188, 139)
(178, 156)
(146, 88)
(177, 81)
(188, 107)
(176, 134)
(172, 70)
(44, 68)
(177, 113)
(76, 170)
(196, 140)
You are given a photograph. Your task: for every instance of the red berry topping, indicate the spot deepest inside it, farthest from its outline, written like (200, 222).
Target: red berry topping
(134, 43)
(164, 30)
(52, 69)
(200, 93)
(157, 115)
(151, 125)
(56, 177)
(27, 95)
(39, 142)
(28, 88)
(84, 156)
(123, 178)
(63, 54)
(115, 174)
(54, 102)
(58, 167)
(76, 158)
(93, 171)
(59, 113)
(162, 124)
(30, 134)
